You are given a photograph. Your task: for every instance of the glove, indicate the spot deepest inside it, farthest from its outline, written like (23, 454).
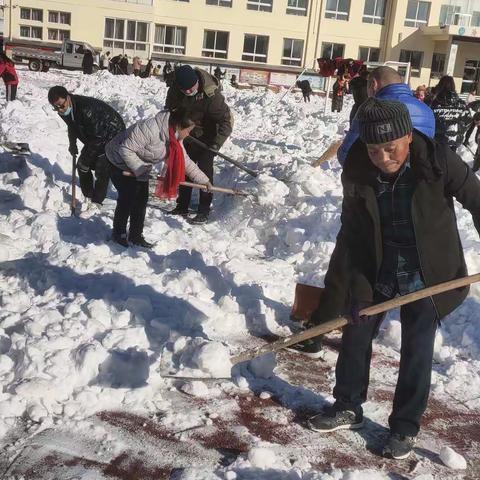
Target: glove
(355, 317)
(73, 149)
(209, 187)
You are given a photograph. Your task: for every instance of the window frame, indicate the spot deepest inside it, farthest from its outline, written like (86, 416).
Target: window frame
(215, 49)
(30, 29)
(375, 17)
(336, 14)
(163, 47)
(124, 43)
(415, 21)
(333, 44)
(260, 5)
(254, 54)
(30, 11)
(296, 10)
(292, 61)
(414, 72)
(218, 3)
(59, 17)
(368, 59)
(60, 34)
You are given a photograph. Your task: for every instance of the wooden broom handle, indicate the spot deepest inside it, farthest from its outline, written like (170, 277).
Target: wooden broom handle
(426, 292)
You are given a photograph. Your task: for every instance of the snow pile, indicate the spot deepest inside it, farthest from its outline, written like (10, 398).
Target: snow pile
(263, 366)
(214, 359)
(261, 457)
(452, 459)
(271, 191)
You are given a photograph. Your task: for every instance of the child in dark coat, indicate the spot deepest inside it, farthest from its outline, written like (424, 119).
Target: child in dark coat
(339, 90)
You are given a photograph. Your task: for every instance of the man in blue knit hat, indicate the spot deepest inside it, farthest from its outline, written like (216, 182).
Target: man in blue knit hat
(200, 93)
(398, 235)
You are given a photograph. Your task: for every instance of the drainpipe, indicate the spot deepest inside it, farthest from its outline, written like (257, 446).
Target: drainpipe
(318, 30)
(304, 60)
(10, 22)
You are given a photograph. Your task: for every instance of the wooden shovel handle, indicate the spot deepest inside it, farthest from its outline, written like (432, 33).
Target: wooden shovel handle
(215, 189)
(426, 292)
(290, 340)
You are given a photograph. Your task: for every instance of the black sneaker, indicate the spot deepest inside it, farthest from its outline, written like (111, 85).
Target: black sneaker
(331, 419)
(183, 212)
(199, 219)
(312, 348)
(120, 238)
(140, 242)
(399, 446)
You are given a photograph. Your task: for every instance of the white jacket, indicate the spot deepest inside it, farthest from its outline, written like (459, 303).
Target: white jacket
(146, 143)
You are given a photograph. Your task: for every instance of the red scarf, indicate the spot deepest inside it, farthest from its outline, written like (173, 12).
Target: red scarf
(175, 172)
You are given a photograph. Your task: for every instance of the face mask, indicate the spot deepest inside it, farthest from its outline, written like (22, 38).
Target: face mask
(191, 94)
(67, 112)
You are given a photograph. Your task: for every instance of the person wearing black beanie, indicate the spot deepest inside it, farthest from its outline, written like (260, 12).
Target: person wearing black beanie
(398, 235)
(200, 93)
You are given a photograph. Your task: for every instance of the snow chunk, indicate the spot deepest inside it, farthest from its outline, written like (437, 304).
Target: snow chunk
(452, 459)
(271, 191)
(195, 388)
(261, 457)
(262, 367)
(213, 358)
(393, 335)
(6, 364)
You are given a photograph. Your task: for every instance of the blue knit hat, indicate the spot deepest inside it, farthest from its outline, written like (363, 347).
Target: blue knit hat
(185, 77)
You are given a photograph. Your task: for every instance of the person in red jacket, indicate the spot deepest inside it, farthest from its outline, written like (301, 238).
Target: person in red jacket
(9, 75)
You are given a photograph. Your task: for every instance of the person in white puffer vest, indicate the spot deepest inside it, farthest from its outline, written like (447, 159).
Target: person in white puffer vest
(132, 155)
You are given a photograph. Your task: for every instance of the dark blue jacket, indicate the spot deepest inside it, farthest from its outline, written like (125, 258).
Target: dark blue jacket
(421, 115)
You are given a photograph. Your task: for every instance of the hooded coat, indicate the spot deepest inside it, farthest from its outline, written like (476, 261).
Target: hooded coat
(212, 116)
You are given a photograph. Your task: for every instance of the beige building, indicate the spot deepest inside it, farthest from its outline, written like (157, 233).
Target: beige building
(258, 37)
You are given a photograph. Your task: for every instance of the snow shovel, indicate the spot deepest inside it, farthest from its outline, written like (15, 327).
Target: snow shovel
(73, 204)
(329, 153)
(341, 321)
(220, 154)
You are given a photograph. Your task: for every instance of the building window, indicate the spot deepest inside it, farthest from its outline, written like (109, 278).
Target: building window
(415, 59)
(374, 11)
(297, 7)
(170, 39)
(58, 35)
(417, 14)
(292, 52)
(332, 50)
(448, 14)
(27, 31)
(475, 22)
(369, 54)
(260, 5)
(31, 14)
(220, 3)
(438, 64)
(215, 44)
(125, 34)
(337, 9)
(255, 48)
(59, 17)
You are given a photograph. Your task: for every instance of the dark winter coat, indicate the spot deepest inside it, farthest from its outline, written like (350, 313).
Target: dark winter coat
(87, 62)
(212, 117)
(305, 87)
(452, 118)
(440, 176)
(94, 123)
(358, 88)
(337, 96)
(8, 72)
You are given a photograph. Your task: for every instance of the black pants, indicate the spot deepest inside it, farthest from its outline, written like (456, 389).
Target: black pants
(476, 161)
(11, 91)
(419, 324)
(204, 159)
(131, 203)
(306, 97)
(95, 190)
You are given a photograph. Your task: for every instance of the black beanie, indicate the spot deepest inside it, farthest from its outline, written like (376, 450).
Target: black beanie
(382, 121)
(185, 77)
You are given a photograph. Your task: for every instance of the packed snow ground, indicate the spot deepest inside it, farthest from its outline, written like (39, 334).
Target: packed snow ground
(86, 325)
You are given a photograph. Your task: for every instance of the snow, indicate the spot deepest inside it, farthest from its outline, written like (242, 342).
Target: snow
(452, 459)
(87, 326)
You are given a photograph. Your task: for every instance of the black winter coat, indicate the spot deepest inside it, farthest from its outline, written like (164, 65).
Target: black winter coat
(94, 123)
(87, 62)
(212, 117)
(358, 88)
(452, 118)
(440, 176)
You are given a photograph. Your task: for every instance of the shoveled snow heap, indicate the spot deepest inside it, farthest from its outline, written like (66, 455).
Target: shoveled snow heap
(83, 321)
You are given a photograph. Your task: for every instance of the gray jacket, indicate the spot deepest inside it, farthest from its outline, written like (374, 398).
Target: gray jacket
(144, 144)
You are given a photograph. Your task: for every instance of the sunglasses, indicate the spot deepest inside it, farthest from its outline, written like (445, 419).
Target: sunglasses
(63, 106)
